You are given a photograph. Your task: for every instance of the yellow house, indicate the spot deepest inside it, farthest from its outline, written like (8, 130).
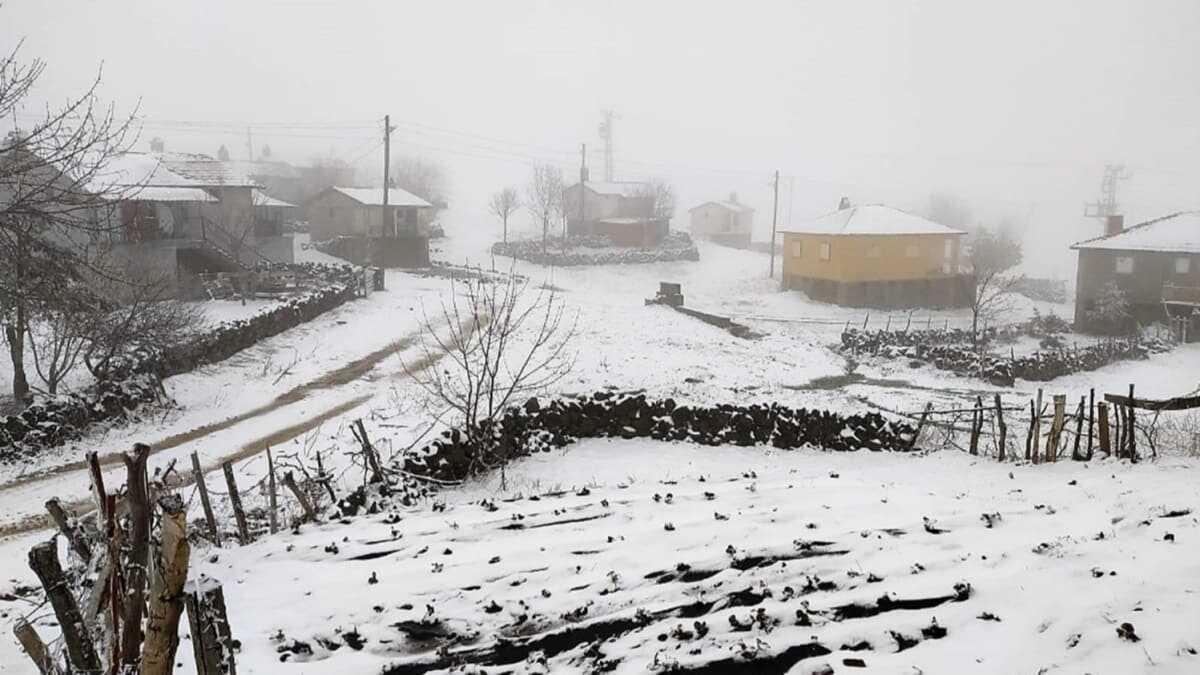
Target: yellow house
(876, 256)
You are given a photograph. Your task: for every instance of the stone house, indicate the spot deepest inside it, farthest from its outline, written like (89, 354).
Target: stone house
(399, 239)
(1156, 264)
(724, 222)
(623, 211)
(876, 256)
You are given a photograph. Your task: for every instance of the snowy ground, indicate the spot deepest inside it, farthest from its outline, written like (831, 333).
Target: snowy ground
(297, 392)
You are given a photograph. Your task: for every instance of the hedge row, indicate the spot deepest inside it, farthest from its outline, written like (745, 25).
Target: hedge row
(136, 379)
(567, 252)
(544, 425)
(952, 350)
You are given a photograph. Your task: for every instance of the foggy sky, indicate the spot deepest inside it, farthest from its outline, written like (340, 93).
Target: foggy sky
(1016, 105)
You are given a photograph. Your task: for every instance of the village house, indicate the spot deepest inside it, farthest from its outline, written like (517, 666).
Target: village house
(724, 222)
(623, 211)
(182, 216)
(401, 239)
(1156, 264)
(876, 256)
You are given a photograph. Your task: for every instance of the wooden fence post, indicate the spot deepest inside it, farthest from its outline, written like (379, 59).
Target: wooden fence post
(976, 424)
(43, 560)
(33, 645)
(1037, 428)
(271, 493)
(1102, 413)
(69, 528)
(166, 589)
(1091, 419)
(1029, 432)
(1056, 427)
(133, 604)
(1131, 422)
(1075, 454)
(209, 519)
(1001, 428)
(920, 425)
(212, 641)
(305, 504)
(236, 500)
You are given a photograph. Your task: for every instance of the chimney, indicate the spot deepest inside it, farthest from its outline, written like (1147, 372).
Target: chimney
(1114, 225)
(844, 204)
(733, 198)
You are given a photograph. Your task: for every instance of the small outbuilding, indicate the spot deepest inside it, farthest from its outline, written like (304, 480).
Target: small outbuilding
(724, 222)
(351, 211)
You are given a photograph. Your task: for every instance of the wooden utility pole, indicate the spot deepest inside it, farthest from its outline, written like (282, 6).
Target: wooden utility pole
(387, 225)
(774, 220)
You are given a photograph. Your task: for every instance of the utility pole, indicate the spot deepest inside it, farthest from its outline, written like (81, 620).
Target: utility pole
(1107, 204)
(583, 179)
(774, 220)
(386, 225)
(606, 135)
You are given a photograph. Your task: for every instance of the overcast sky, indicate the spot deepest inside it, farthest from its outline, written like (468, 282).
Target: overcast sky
(1014, 105)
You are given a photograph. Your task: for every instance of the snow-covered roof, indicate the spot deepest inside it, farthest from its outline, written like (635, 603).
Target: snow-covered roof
(870, 219)
(139, 169)
(1174, 233)
(263, 199)
(628, 220)
(374, 196)
(156, 193)
(208, 171)
(622, 188)
(729, 206)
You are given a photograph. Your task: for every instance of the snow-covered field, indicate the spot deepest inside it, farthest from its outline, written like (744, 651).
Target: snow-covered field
(1033, 570)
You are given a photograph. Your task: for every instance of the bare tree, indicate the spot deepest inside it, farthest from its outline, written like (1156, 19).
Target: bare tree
(660, 198)
(543, 196)
(991, 257)
(55, 199)
(503, 343)
(503, 204)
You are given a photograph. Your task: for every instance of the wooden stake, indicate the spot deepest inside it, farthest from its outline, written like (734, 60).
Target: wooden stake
(1029, 432)
(976, 424)
(166, 589)
(43, 560)
(290, 482)
(1131, 422)
(212, 641)
(1002, 428)
(271, 493)
(1056, 427)
(209, 519)
(235, 498)
(1075, 453)
(1102, 413)
(134, 603)
(1037, 428)
(920, 425)
(69, 528)
(32, 643)
(1091, 419)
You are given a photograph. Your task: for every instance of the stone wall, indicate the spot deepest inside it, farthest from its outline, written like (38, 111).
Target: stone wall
(543, 425)
(597, 250)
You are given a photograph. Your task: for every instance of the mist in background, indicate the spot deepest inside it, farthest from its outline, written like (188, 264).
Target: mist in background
(1012, 108)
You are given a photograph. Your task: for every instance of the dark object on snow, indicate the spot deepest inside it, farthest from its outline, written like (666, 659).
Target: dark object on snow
(1125, 632)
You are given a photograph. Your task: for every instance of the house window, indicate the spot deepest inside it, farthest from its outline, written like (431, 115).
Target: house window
(911, 251)
(1183, 265)
(825, 252)
(1124, 264)
(873, 251)
(798, 249)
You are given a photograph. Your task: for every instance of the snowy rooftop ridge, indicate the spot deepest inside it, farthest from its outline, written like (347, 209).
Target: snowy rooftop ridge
(1177, 232)
(870, 219)
(374, 196)
(731, 206)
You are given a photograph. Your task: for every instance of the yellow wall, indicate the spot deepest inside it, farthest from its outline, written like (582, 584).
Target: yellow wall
(849, 261)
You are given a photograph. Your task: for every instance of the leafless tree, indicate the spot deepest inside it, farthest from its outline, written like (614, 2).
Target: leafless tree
(499, 341)
(57, 341)
(55, 198)
(992, 256)
(503, 204)
(543, 196)
(424, 177)
(660, 197)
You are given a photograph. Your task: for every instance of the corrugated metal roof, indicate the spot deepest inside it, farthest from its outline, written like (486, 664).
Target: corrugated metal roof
(1174, 233)
(374, 196)
(870, 219)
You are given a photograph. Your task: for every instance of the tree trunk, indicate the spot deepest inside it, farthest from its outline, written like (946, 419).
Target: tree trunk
(134, 602)
(166, 590)
(43, 560)
(15, 334)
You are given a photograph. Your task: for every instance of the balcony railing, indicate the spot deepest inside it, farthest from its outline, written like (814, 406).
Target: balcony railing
(1181, 295)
